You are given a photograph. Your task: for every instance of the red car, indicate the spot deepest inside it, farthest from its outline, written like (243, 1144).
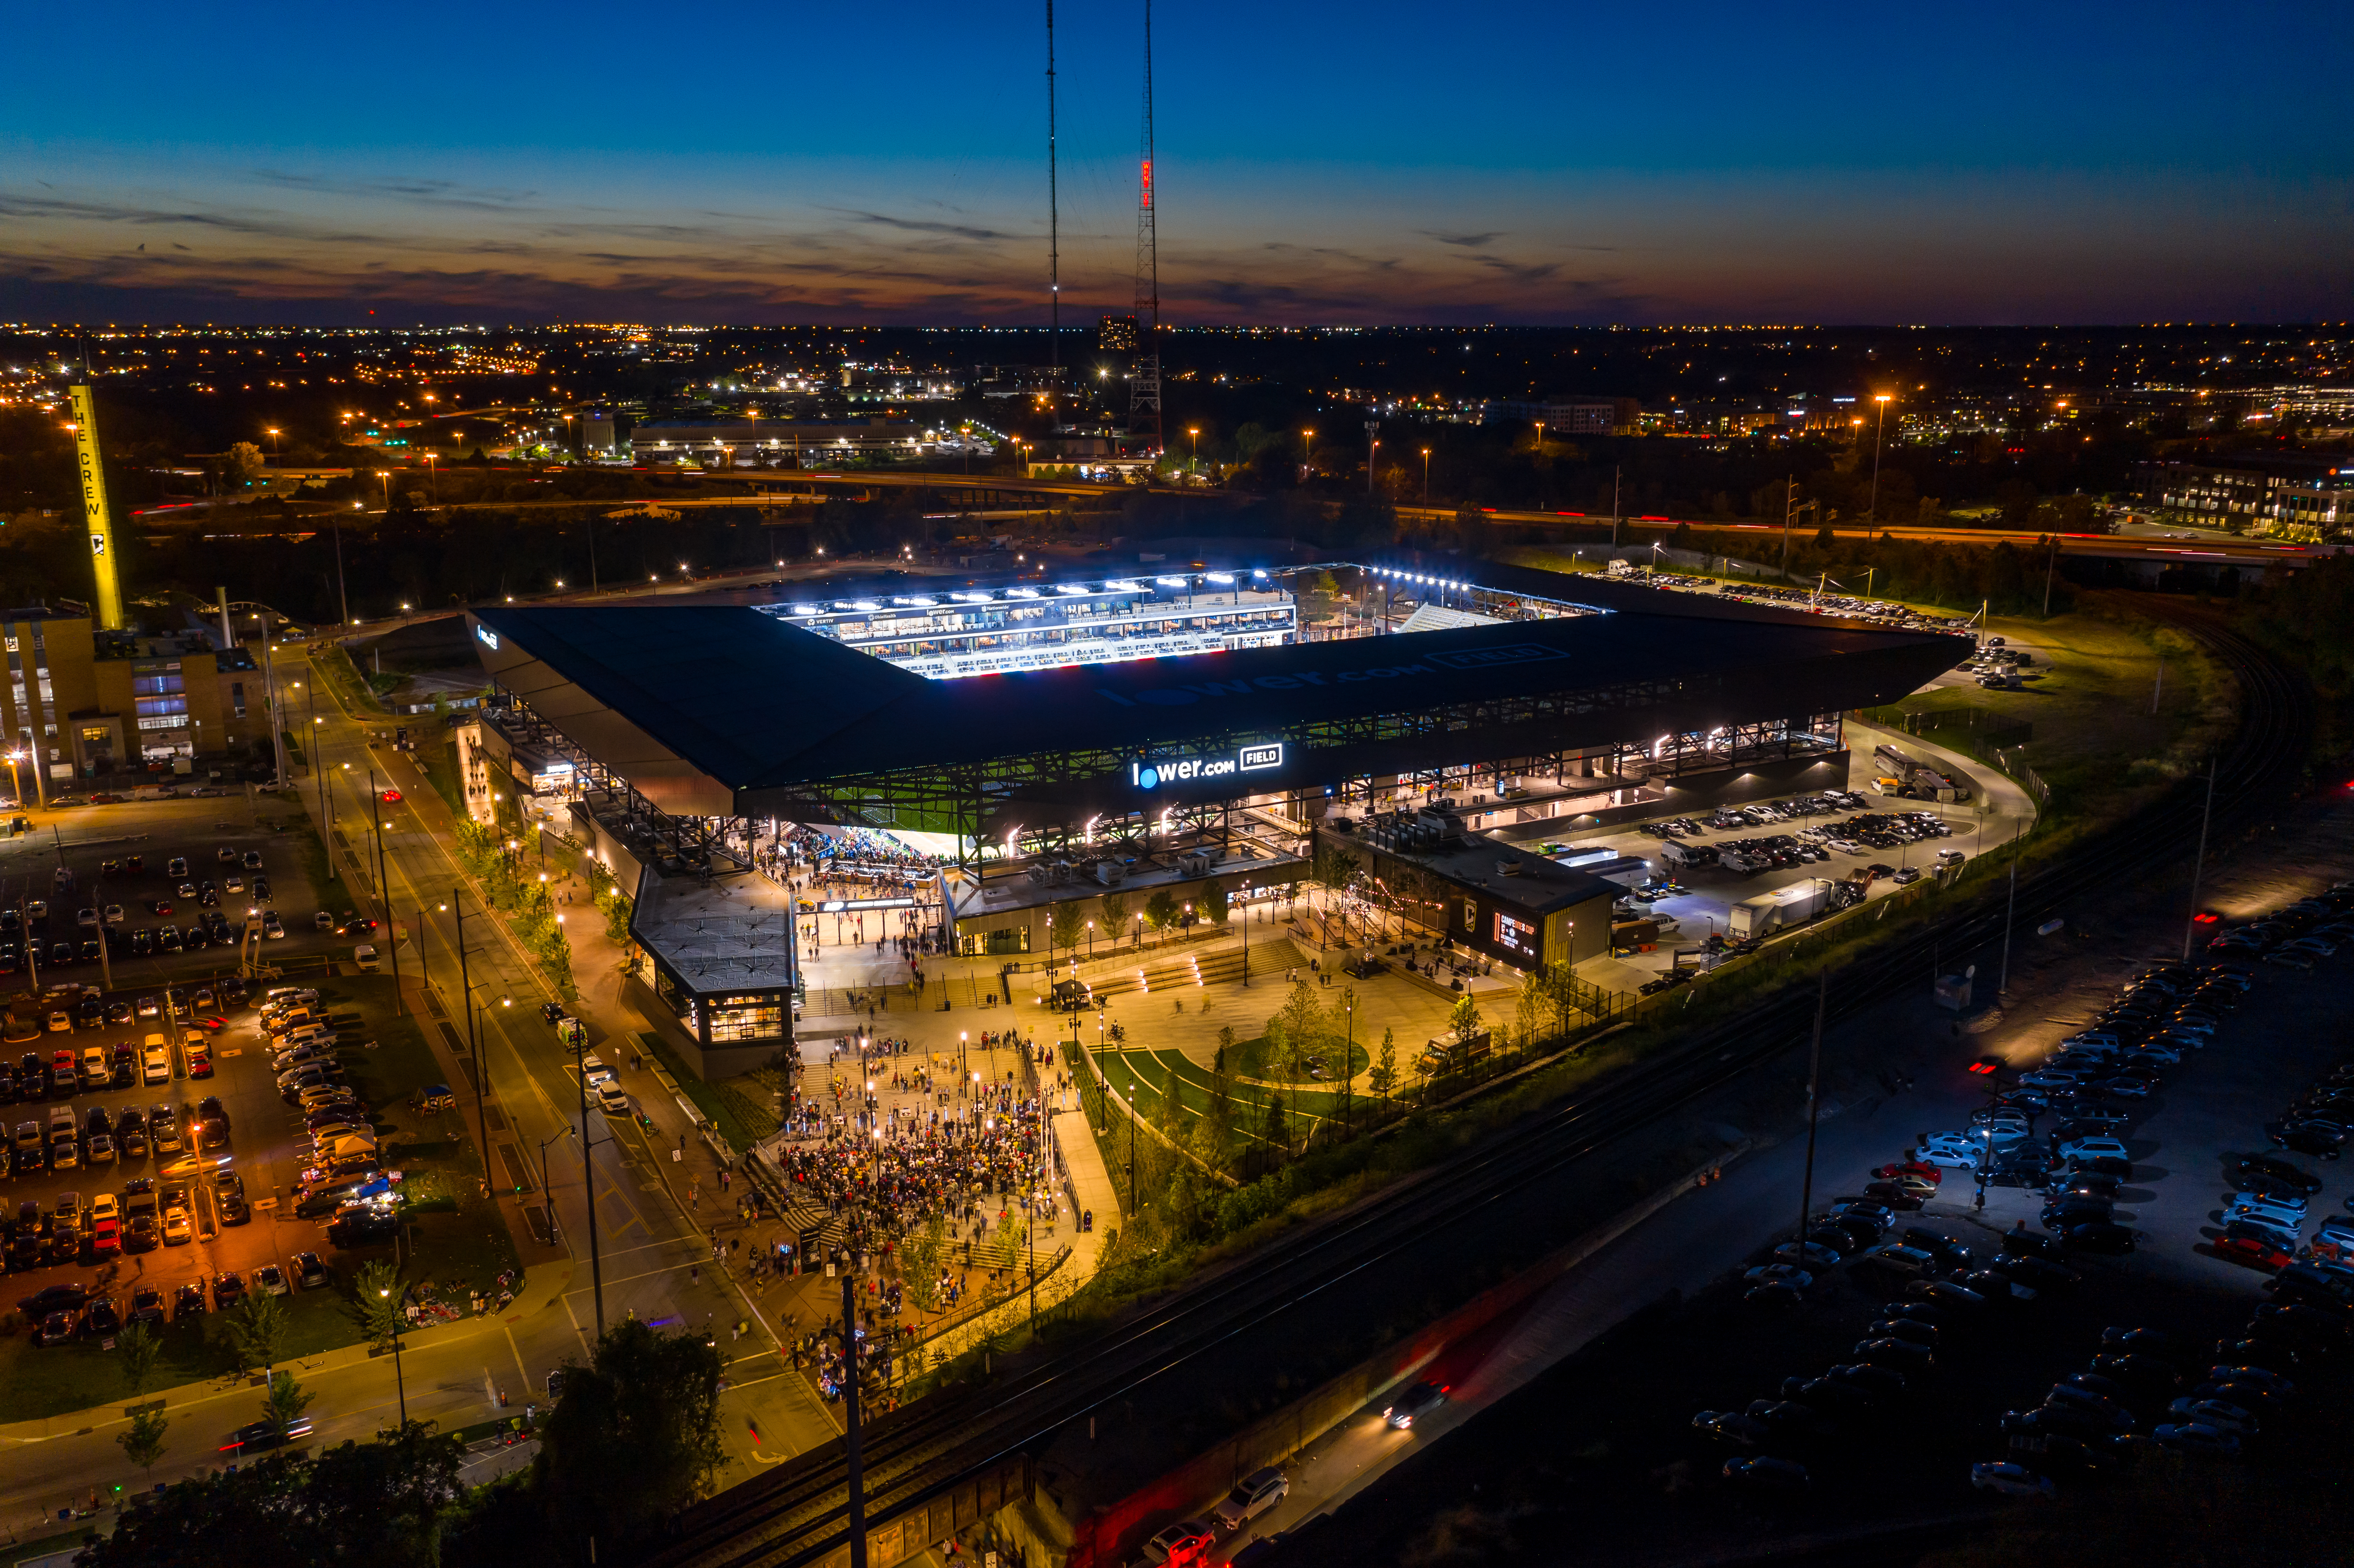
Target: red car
(2253, 1253)
(1920, 1168)
(215, 1024)
(1892, 1194)
(392, 797)
(200, 1061)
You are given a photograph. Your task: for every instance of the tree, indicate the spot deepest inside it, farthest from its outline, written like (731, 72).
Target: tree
(140, 1348)
(1160, 910)
(1528, 1013)
(1383, 1079)
(1065, 927)
(1465, 1021)
(1213, 905)
(376, 1297)
(633, 1437)
(285, 1401)
(1557, 981)
(257, 1328)
(1114, 914)
(142, 1441)
(242, 465)
(920, 1263)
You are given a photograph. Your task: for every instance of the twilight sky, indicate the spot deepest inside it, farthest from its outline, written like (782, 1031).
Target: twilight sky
(1494, 160)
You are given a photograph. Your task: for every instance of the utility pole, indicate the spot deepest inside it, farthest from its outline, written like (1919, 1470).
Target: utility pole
(1789, 499)
(342, 599)
(319, 767)
(1614, 506)
(1144, 385)
(1814, 1101)
(850, 1413)
(1373, 447)
(2009, 914)
(1054, 239)
(2199, 866)
(1872, 512)
(2048, 566)
(384, 900)
(588, 1183)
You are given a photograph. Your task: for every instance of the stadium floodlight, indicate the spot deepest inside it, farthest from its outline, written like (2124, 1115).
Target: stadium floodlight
(1075, 589)
(1171, 582)
(863, 604)
(1123, 587)
(804, 609)
(1227, 578)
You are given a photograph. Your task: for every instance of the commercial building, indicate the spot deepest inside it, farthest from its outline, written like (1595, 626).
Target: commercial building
(789, 443)
(697, 732)
(2309, 495)
(87, 703)
(1567, 416)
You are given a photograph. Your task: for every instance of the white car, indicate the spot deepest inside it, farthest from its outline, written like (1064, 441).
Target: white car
(2215, 1412)
(2096, 1148)
(1253, 1495)
(2246, 1206)
(156, 1065)
(594, 1071)
(2012, 1480)
(1779, 1273)
(2196, 1437)
(611, 1099)
(1951, 1157)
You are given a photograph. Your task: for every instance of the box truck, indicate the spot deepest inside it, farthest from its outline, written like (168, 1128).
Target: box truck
(1770, 912)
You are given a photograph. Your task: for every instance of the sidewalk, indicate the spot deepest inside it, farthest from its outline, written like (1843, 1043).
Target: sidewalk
(543, 1287)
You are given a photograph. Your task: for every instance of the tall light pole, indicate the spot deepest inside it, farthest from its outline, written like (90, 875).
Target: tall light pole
(1879, 423)
(384, 898)
(1425, 476)
(399, 1384)
(1372, 450)
(1193, 446)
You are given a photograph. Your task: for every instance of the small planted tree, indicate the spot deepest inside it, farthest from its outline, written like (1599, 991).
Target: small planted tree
(140, 1349)
(1383, 1079)
(1114, 914)
(1065, 927)
(142, 1441)
(1213, 903)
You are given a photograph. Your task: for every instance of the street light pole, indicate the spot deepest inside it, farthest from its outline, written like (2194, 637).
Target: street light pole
(1872, 512)
(384, 901)
(2199, 866)
(399, 1384)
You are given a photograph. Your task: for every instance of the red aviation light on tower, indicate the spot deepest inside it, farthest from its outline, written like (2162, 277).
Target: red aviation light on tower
(1148, 182)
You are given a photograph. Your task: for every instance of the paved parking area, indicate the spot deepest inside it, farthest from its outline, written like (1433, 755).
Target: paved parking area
(261, 1146)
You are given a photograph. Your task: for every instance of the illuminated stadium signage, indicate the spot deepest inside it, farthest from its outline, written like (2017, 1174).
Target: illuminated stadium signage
(1187, 769)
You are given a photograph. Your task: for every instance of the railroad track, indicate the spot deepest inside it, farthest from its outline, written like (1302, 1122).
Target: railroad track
(797, 1514)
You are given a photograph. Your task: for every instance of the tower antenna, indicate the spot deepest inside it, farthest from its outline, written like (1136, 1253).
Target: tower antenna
(1144, 388)
(1054, 241)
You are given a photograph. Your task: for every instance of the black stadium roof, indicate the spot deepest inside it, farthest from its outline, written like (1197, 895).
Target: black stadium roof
(701, 706)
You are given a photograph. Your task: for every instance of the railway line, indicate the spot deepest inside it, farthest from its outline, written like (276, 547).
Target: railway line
(797, 1513)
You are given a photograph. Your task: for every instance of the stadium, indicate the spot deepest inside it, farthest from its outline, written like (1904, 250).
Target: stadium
(1042, 740)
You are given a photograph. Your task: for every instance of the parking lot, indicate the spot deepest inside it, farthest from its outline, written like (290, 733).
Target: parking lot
(234, 1147)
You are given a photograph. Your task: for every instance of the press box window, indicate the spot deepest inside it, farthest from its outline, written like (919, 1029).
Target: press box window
(1517, 935)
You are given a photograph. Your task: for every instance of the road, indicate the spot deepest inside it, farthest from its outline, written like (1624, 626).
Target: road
(655, 1247)
(655, 1250)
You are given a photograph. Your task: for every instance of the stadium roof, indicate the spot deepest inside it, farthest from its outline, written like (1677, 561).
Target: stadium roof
(701, 707)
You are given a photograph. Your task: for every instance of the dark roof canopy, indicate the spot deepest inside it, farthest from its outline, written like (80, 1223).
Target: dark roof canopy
(697, 706)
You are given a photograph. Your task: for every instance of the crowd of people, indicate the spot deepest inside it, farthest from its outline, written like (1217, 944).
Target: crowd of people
(889, 1168)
